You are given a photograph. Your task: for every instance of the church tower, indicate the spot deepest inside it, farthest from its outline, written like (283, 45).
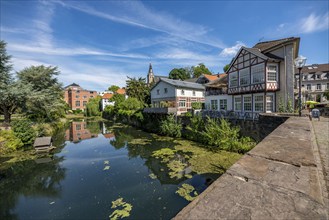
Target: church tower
(150, 75)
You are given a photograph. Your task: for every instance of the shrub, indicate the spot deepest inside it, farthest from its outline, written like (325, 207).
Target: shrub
(24, 131)
(9, 142)
(188, 114)
(196, 105)
(170, 127)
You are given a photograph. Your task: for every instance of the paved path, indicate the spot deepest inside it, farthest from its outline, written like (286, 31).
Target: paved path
(281, 178)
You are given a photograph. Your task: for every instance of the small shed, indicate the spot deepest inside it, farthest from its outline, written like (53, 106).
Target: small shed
(43, 144)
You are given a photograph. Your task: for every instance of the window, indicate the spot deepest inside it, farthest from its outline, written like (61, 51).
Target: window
(308, 87)
(257, 73)
(77, 103)
(272, 72)
(84, 96)
(223, 104)
(78, 127)
(244, 77)
(318, 76)
(318, 86)
(233, 79)
(158, 91)
(237, 103)
(269, 103)
(258, 103)
(305, 77)
(165, 90)
(247, 103)
(77, 96)
(214, 104)
(182, 103)
(182, 92)
(84, 103)
(91, 92)
(78, 91)
(193, 93)
(327, 85)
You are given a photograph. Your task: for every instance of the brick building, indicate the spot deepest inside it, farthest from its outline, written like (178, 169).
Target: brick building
(77, 97)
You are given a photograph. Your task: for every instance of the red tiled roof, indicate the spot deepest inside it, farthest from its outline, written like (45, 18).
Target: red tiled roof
(109, 135)
(211, 77)
(121, 91)
(107, 96)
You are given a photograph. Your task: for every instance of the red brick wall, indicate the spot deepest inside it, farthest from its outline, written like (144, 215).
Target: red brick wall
(76, 94)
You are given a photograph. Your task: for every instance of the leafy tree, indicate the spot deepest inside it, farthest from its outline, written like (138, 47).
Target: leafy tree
(45, 100)
(93, 107)
(130, 106)
(117, 98)
(326, 94)
(13, 94)
(113, 88)
(225, 68)
(199, 70)
(181, 74)
(138, 88)
(24, 131)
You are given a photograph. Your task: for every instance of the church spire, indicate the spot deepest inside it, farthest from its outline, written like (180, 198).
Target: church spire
(150, 75)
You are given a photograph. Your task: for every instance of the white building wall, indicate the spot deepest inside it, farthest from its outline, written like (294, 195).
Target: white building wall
(161, 88)
(106, 102)
(189, 93)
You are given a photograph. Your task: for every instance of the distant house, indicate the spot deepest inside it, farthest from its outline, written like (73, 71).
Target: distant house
(314, 82)
(77, 97)
(107, 96)
(261, 78)
(216, 97)
(203, 79)
(175, 94)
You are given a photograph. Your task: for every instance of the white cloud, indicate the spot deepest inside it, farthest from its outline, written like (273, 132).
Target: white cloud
(231, 51)
(314, 23)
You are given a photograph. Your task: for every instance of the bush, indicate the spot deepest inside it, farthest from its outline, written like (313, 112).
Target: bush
(170, 127)
(188, 114)
(196, 105)
(24, 131)
(9, 142)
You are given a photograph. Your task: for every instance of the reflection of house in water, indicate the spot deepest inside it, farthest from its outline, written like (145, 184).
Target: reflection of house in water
(78, 131)
(106, 133)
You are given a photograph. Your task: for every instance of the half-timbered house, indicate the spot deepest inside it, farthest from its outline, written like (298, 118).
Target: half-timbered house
(262, 77)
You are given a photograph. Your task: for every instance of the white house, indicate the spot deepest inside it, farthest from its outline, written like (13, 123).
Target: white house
(106, 100)
(261, 78)
(315, 81)
(175, 94)
(216, 97)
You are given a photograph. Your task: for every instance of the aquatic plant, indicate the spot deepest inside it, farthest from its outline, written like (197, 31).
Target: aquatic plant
(106, 168)
(106, 162)
(166, 154)
(177, 169)
(187, 191)
(153, 176)
(123, 210)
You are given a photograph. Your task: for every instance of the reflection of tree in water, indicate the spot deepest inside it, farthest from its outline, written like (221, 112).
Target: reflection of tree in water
(142, 144)
(29, 178)
(94, 127)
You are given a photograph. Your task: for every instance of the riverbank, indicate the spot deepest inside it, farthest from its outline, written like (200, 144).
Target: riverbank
(283, 177)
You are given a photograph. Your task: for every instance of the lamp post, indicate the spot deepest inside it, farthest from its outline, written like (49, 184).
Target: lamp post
(299, 63)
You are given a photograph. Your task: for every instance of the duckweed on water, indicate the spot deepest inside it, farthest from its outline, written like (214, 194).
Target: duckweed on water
(106, 168)
(153, 176)
(187, 192)
(123, 210)
(140, 141)
(176, 169)
(106, 162)
(166, 154)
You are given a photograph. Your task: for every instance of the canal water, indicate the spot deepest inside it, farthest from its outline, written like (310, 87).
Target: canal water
(96, 163)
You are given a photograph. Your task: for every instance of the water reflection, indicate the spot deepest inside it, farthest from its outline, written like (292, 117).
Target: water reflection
(75, 179)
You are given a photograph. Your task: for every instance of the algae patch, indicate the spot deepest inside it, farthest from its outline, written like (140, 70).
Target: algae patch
(123, 209)
(187, 191)
(153, 176)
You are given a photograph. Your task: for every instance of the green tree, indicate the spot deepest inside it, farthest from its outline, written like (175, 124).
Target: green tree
(138, 88)
(113, 88)
(24, 131)
(93, 107)
(199, 70)
(130, 106)
(326, 94)
(225, 68)
(45, 100)
(181, 74)
(13, 94)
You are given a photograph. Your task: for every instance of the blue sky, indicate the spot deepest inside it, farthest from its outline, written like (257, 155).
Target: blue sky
(99, 43)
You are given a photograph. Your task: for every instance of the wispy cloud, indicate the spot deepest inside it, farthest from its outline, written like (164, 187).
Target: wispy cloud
(135, 13)
(310, 24)
(231, 51)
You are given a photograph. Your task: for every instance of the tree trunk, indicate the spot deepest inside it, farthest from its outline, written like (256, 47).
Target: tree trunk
(7, 116)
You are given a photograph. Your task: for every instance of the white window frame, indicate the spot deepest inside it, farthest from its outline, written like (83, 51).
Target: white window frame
(258, 73)
(182, 103)
(270, 72)
(223, 104)
(237, 104)
(244, 77)
(272, 102)
(308, 87)
(247, 102)
(259, 100)
(318, 86)
(233, 79)
(214, 104)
